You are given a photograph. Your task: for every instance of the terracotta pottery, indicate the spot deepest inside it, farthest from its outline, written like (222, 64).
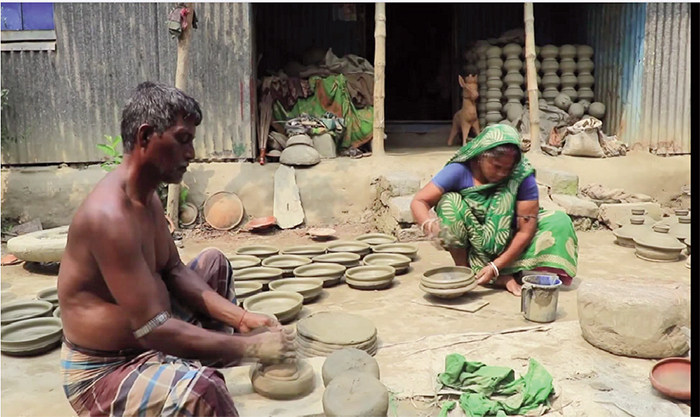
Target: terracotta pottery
(305, 250)
(397, 261)
(243, 261)
(657, 245)
(10, 259)
(348, 359)
(576, 110)
(549, 51)
(329, 273)
(346, 259)
(671, 377)
(568, 51)
(584, 51)
(23, 310)
(245, 289)
(648, 220)
(223, 210)
(283, 381)
(260, 251)
(261, 223)
(562, 101)
(673, 219)
(493, 52)
(300, 140)
(188, 214)
(57, 312)
(401, 248)
(448, 293)
(306, 347)
(337, 328)
(31, 336)
(626, 234)
(309, 288)
(41, 246)
(597, 110)
(352, 246)
(48, 294)
(374, 239)
(321, 233)
(494, 62)
(284, 305)
(286, 263)
(681, 229)
(370, 277)
(448, 277)
(261, 274)
(355, 394)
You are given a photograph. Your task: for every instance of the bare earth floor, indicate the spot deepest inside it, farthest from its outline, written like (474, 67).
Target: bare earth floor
(415, 339)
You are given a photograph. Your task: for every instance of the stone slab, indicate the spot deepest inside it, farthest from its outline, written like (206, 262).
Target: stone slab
(287, 206)
(611, 214)
(400, 208)
(560, 182)
(402, 183)
(575, 206)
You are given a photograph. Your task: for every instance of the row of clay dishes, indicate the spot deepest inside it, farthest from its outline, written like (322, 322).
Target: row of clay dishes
(655, 241)
(448, 282)
(28, 327)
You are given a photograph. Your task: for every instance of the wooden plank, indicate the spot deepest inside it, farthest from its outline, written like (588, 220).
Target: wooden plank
(27, 35)
(287, 201)
(28, 46)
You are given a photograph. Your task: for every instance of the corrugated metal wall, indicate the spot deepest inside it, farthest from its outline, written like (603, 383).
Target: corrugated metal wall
(63, 102)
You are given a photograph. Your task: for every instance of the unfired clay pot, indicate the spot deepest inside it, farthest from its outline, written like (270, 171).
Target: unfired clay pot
(657, 245)
(626, 234)
(681, 229)
(597, 110)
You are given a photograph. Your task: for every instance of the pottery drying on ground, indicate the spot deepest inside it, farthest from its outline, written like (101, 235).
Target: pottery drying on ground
(261, 274)
(243, 261)
(322, 233)
(223, 210)
(283, 381)
(374, 239)
(259, 251)
(31, 337)
(245, 289)
(401, 248)
(657, 245)
(355, 394)
(309, 288)
(648, 220)
(352, 246)
(399, 262)
(329, 273)
(302, 139)
(284, 305)
(23, 310)
(308, 348)
(57, 313)
(261, 223)
(370, 277)
(188, 214)
(448, 282)
(286, 263)
(305, 250)
(681, 229)
(346, 259)
(673, 219)
(626, 234)
(671, 377)
(323, 333)
(346, 360)
(48, 294)
(42, 246)
(597, 110)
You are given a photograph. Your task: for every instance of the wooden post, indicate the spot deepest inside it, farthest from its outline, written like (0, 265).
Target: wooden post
(183, 52)
(532, 78)
(379, 67)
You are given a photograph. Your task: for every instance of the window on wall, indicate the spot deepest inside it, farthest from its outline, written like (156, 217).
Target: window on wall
(27, 27)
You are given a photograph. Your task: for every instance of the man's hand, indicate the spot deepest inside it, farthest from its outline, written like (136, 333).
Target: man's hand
(252, 321)
(272, 347)
(485, 275)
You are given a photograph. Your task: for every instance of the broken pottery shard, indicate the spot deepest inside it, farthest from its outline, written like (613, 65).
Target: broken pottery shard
(287, 201)
(634, 317)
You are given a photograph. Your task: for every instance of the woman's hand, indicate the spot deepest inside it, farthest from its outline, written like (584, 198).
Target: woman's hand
(486, 274)
(251, 321)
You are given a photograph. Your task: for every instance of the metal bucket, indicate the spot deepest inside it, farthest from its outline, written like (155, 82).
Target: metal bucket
(540, 295)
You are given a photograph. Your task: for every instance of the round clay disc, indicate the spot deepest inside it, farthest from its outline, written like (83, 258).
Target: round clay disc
(355, 394)
(283, 382)
(332, 347)
(345, 360)
(337, 328)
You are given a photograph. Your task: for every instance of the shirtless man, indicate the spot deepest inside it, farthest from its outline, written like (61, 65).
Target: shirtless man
(137, 322)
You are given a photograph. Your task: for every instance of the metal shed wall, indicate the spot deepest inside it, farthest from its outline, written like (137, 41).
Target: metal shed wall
(64, 101)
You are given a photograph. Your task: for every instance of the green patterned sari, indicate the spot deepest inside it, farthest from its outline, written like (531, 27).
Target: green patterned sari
(480, 218)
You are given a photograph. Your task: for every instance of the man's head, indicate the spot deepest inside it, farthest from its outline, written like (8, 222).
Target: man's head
(497, 163)
(158, 127)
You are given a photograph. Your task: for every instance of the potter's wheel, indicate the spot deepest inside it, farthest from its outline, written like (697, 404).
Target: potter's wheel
(283, 381)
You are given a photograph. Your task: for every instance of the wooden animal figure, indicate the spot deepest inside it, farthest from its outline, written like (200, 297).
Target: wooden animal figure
(466, 118)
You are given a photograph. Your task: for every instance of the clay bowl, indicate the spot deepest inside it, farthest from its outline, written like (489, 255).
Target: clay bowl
(448, 277)
(321, 233)
(48, 294)
(188, 214)
(31, 337)
(286, 263)
(351, 246)
(374, 239)
(223, 210)
(306, 250)
(239, 262)
(23, 310)
(283, 381)
(401, 248)
(309, 288)
(261, 274)
(370, 277)
(245, 289)
(57, 313)
(399, 262)
(671, 377)
(329, 273)
(260, 251)
(448, 293)
(261, 223)
(285, 305)
(346, 259)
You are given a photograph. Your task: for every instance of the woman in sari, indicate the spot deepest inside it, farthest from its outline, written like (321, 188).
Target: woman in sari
(488, 215)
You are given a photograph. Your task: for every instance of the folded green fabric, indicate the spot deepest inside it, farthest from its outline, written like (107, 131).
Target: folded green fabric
(481, 382)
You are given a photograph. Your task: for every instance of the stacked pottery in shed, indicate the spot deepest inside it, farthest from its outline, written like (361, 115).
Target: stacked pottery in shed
(514, 81)
(567, 65)
(482, 66)
(494, 84)
(584, 68)
(550, 66)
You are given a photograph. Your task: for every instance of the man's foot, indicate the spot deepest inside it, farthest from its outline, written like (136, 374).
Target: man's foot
(510, 283)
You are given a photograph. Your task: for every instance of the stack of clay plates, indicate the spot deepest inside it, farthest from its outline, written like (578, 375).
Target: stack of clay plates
(309, 288)
(374, 239)
(31, 337)
(399, 262)
(260, 251)
(245, 289)
(323, 333)
(306, 250)
(239, 262)
(329, 273)
(352, 246)
(448, 281)
(261, 274)
(370, 277)
(401, 248)
(285, 305)
(24, 310)
(346, 259)
(287, 263)
(50, 295)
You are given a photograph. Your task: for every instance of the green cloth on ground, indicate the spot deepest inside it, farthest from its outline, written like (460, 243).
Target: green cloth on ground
(331, 95)
(480, 382)
(447, 406)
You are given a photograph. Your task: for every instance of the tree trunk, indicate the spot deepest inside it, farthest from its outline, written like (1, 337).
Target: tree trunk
(532, 78)
(379, 67)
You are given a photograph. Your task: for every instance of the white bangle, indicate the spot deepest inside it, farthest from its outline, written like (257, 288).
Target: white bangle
(493, 265)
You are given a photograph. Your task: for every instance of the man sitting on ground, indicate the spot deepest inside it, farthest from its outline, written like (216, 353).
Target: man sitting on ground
(137, 322)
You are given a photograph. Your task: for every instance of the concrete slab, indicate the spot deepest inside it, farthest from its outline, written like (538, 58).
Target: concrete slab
(560, 182)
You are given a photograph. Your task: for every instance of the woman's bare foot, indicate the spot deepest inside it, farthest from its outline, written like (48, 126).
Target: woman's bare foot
(510, 283)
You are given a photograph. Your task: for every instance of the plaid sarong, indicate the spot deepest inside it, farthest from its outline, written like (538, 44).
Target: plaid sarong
(137, 383)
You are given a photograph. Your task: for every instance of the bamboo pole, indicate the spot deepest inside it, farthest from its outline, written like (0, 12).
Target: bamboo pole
(532, 78)
(379, 67)
(183, 53)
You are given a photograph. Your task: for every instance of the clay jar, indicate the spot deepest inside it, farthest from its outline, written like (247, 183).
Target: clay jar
(562, 101)
(597, 110)
(657, 245)
(626, 234)
(576, 110)
(567, 65)
(584, 68)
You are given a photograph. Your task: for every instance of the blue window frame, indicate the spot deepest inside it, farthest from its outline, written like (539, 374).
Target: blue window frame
(26, 16)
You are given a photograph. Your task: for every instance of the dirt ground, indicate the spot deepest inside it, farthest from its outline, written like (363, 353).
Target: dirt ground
(414, 338)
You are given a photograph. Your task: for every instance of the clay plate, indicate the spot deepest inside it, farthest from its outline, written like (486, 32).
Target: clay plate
(346, 259)
(223, 210)
(401, 248)
(23, 310)
(449, 293)
(671, 377)
(307, 250)
(243, 261)
(260, 274)
(374, 239)
(284, 305)
(398, 261)
(309, 288)
(32, 336)
(261, 223)
(321, 233)
(351, 246)
(245, 289)
(287, 263)
(48, 294)
(261, 251)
